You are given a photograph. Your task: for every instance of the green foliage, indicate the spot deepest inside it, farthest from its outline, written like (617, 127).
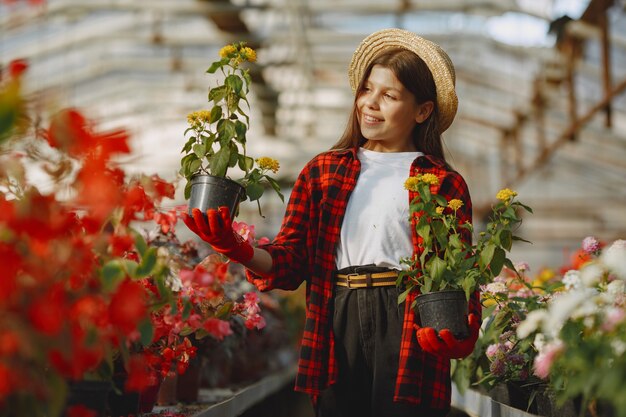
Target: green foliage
(448, 261)
(217, 140)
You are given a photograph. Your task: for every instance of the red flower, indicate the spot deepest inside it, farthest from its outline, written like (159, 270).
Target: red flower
(120, 244)
(166, 220)
(140, 374)
(17, 67)
(11, 263)
(136, 201)
(80, 411)
(128, 306)
(48, 312)
(90, 310)
(162, 188)
(217, 328)
(9, 343)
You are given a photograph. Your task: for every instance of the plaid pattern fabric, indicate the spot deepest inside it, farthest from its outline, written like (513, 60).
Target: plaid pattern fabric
(304, 249)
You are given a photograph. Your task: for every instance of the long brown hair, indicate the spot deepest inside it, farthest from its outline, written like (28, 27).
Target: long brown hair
(415, 76)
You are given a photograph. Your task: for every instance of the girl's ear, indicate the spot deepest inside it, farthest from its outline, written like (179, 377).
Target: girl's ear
(423, 111)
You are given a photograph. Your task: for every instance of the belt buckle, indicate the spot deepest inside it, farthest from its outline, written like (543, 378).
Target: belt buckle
(353, 274)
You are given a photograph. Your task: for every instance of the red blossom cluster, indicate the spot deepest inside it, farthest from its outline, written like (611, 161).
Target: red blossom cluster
(79, 285)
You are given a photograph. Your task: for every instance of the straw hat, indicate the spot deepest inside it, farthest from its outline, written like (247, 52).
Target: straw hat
(435, 58)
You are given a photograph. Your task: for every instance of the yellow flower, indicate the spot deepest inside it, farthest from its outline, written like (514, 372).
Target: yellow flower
(268, 163)
(439, 210)
(430, 179)
(455, 204)
(411, 183)
(228, 51)
(248, 54)
(505, 194)
(197, 117)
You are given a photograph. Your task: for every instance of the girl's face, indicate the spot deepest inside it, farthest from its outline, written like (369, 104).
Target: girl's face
(387, 112)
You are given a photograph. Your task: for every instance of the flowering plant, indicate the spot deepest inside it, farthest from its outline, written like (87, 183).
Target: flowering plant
(218, 136)
(80, 287)
(448, 261)
(580, 334)
(71, 298)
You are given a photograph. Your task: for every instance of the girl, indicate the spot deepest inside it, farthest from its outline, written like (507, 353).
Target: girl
(345, 230)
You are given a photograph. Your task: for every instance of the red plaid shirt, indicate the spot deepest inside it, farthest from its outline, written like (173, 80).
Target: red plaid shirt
(304, 250)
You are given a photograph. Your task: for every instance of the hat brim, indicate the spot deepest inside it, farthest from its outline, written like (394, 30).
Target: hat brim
(435, 58)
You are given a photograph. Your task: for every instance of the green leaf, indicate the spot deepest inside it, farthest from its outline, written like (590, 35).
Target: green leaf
(187, 191)
(225, 130)
(140, 243)
(148, 262)
(234, 82)
(506, 239)
(520, 239)
(455, 241)
(276, 188)
(440, 200)
(240, 131)
(193, 167)
(217, 94)
(254, 191)
(234, 156)
(245, 163)
(217, 65)
(224, 311)
(216, 114)
(423, 230)
(199, 150)
(402, 296)
(146, 332)
(486, 255)
(436, 267)
(497, 261)
(468, 284)
(219, 162)
(112, 273)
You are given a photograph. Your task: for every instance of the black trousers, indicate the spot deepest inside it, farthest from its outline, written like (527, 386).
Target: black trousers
(367, 323)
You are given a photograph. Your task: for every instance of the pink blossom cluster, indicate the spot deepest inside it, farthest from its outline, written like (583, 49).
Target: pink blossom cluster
(250, 310)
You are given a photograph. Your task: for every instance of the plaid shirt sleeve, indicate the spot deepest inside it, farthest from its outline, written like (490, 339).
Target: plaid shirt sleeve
(423, 378)
(289, 248)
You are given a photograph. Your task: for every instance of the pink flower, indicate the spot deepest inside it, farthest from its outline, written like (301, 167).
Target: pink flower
(217, 328)
(255, 321)
(614, 317)
(543, 361)
(522, 267)
(198, 276)
(244, 230)
(492, 350)
(263, 241)
(591, 245)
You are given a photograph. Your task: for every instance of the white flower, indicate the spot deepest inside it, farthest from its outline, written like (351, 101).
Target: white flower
(564, 306)
(522, 267)
(539, 342)
(591, 274)
(571, 279)
(615, 258)
(531, 323)
(616, 288)
(618, 346)
(495, 288)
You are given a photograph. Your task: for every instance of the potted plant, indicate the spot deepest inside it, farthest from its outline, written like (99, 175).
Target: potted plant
(450, 268)
(217, 141)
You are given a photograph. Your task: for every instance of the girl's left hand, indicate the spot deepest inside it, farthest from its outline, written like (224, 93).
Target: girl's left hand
(445, 344)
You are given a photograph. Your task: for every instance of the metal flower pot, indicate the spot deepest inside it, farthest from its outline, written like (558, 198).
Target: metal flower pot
(444, 310)
(210, 192)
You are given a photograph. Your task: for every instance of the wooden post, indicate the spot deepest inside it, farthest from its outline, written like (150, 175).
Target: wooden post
(606, 63)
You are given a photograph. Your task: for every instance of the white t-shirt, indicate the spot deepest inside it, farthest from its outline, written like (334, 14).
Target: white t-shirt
(376, 226)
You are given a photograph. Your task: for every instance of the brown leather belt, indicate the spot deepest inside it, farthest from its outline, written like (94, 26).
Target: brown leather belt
(367, 280)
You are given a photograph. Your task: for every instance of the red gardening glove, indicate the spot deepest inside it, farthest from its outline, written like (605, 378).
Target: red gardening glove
(446, 345)
(219, 233)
